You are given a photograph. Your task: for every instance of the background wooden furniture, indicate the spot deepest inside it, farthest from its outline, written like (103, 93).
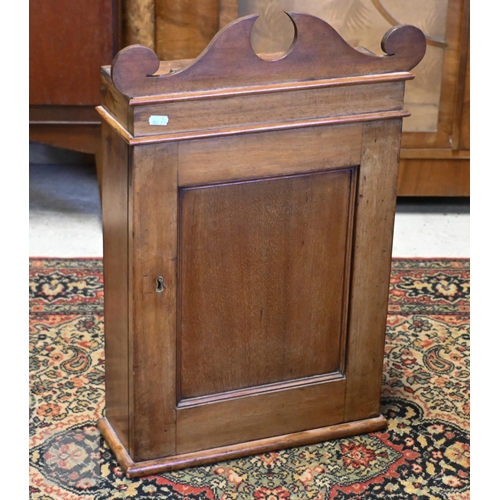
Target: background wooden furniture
(435, 146)
(69, 42)
(435, 156)
(248, 210)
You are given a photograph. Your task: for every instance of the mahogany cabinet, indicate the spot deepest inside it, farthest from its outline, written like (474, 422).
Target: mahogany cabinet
(248, 209)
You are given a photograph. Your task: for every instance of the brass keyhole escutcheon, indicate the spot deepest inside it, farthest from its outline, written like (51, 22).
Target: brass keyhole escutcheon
(160, 285)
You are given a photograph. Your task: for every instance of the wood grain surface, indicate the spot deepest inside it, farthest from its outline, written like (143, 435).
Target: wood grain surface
(69, 42)
(371, 265)
(260, 416)
(242, 110)
(318, 52)
(434, 177)
(262, 280)
(115, 199)
(207, 161)
(183, 29)
(152, 213)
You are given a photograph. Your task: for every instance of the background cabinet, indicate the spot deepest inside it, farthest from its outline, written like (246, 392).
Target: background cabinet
(67, 38)
(435, 143)
(69, 42)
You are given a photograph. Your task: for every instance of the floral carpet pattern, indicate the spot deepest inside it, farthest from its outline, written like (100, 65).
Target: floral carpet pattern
(424, 453)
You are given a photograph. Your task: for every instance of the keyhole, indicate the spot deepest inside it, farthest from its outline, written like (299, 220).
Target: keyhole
(160, 285)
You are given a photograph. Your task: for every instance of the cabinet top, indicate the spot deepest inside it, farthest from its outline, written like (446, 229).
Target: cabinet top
(317, 52)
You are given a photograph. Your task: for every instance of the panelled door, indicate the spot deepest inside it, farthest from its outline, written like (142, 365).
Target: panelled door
(257, 278)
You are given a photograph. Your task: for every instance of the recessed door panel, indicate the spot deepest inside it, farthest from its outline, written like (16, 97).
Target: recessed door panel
(263, 281)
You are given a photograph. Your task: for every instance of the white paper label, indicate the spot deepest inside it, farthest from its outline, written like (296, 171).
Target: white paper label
(158, 120)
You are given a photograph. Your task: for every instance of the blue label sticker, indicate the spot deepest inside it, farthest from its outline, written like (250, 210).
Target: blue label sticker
(158, 120)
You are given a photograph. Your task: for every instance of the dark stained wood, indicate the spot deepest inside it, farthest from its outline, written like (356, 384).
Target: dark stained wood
(259, 243)
(199, 458)
(117, 103)
(247, 129)
(69, 42)
(115, 201)
(185, 29)
(63, 115)
(333, 57)
(260, 389)
(251, 252)
(99, 161)
(83, 138)
(153, 217)
(166, 67)
(71, 127)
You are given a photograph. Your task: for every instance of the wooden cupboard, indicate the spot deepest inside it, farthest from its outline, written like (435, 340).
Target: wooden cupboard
(248, 210)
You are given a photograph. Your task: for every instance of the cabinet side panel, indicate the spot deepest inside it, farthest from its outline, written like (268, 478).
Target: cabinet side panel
(115, 235)
(375, 209)
(154, 254)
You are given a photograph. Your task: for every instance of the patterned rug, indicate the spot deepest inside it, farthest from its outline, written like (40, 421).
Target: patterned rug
(424, 454)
